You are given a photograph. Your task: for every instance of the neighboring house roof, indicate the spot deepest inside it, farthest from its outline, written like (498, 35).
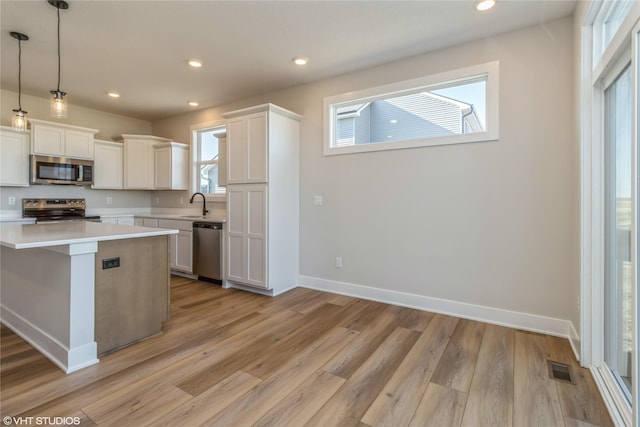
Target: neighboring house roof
(351, 110)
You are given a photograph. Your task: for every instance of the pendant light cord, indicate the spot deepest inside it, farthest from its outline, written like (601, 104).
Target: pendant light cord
(58, 89)
(20, 74)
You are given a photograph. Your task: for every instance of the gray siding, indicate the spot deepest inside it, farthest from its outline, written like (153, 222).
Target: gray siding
(420, 115)
(408, 126)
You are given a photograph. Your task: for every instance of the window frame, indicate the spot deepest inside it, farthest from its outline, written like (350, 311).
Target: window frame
(599, 68)
(490, 69)
(194, 170)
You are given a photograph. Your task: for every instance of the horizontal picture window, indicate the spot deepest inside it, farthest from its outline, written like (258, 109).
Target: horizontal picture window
(454, 107)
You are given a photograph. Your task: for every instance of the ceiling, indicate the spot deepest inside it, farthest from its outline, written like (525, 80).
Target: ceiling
(141, 48)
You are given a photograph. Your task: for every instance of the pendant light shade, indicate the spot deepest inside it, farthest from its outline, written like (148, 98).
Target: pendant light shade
(58, 97)
(19, 120)
(59, 104)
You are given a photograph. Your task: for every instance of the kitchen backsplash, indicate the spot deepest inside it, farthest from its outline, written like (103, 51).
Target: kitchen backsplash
(95, 198)
(99, 199)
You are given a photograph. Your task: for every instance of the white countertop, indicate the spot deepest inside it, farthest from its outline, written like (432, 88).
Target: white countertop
(23, 236)
(184, 217)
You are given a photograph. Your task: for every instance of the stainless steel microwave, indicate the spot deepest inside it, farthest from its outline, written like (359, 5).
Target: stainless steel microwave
(60, 170)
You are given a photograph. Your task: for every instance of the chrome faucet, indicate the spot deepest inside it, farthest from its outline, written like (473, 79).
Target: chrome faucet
(204, 203)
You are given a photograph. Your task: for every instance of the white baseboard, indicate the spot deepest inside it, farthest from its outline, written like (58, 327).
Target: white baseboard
(513, 319)
(69, 360)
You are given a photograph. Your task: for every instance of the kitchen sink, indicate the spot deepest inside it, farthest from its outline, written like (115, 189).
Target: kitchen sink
(194, 216)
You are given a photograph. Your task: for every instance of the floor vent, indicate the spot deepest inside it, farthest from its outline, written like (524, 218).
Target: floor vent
(560, 372)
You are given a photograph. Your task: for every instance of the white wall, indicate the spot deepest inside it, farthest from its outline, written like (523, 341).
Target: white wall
(494, 224)
(109, 126)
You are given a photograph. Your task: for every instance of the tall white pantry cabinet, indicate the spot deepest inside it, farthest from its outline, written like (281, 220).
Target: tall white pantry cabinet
(262, 230)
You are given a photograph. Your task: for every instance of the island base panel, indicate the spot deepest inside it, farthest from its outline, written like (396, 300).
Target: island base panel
(132, 299)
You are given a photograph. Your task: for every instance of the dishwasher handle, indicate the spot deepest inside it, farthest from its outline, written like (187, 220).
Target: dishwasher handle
(211, 225)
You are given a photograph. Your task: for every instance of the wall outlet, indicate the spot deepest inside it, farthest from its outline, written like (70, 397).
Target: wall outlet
(157, 200)
(317, 200)
(109, 200)
(181, 200)
(12, 201)
(338, 262)
(111, 263)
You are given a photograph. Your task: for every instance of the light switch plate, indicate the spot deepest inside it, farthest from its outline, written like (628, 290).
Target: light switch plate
(317, 200)
(12, 201)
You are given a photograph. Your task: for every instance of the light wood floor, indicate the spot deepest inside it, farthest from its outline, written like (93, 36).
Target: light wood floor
(307, 358)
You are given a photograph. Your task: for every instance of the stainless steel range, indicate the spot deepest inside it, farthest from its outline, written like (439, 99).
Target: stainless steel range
(56, 210)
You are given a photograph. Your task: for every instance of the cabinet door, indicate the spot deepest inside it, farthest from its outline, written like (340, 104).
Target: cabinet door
(257, 236)
(78, 144)
(235, 234)
(47, 140)
(136, 165)
(150, 222)
(14, 159)
(246, 235)
(184, 248)
(256, 140)
(162, 168)
(236, 150)
(125, 220)
(108, 165)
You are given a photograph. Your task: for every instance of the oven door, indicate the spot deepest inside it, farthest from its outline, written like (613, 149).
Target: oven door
(60, 170)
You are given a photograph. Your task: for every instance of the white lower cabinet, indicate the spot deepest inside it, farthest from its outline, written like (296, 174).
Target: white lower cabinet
(127, 220)
(180, 245)
(122, 220)
(150, 222)
(183, 259)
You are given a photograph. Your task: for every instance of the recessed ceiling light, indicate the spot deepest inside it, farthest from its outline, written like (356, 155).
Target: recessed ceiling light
(300, 60)
(483, 5)
(193, 103)
(393, 121)
(113, 94)
(195, 63)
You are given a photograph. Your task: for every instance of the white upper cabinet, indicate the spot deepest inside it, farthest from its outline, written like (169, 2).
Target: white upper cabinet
(108, 165)
(14, 158)
(60, 140)
(247, 149)
(171, 166)
(139, 161)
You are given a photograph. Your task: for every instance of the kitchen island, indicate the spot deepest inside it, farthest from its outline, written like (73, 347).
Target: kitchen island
(75, 290)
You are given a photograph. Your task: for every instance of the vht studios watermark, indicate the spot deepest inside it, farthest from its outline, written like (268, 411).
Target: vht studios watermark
(41, 421)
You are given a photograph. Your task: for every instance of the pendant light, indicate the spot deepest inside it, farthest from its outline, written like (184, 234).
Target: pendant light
(19, 121)
(58, 100)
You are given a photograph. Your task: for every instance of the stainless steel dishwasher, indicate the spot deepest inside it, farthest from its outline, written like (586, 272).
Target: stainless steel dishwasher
(207, 251)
